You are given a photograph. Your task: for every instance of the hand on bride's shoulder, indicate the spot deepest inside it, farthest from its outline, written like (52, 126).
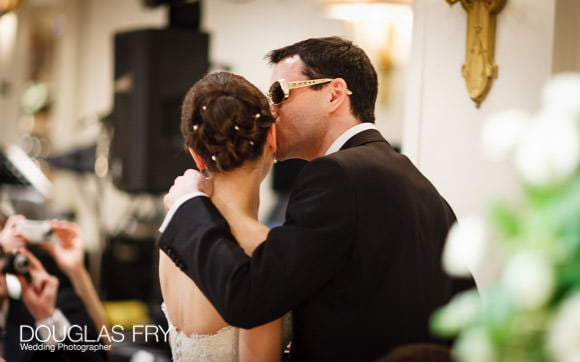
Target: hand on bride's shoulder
(190, 181)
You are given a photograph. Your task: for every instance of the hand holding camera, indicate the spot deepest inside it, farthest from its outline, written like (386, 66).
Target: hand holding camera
(69, 251)
(40, 290)
(15, 263)
(60, 238)
(20, 232)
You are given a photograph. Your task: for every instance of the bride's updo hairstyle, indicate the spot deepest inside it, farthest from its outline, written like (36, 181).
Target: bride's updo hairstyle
(225, 119)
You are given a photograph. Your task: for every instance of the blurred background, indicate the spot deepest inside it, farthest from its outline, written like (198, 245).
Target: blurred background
(90, 92)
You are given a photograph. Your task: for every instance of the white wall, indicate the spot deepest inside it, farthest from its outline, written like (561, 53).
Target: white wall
(243, 32)
(442, 124)
(85, 59)
(12, 74)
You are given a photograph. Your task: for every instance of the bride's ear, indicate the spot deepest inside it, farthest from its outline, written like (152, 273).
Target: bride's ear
(271, 139)
(199, 162)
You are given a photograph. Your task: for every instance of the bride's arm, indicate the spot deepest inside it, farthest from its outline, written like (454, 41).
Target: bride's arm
(263, 343)
(249, 233)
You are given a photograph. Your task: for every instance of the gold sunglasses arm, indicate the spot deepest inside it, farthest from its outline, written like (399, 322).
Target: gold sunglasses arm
(306, 83)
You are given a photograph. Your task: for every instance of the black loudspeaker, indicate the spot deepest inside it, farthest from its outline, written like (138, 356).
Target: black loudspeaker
(129, 268)
(182, 13)
(154, 68)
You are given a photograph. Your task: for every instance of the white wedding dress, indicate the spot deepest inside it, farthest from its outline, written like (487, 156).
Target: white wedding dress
(219, 347)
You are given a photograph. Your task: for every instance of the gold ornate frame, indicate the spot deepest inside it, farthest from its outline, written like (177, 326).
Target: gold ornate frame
(8, 5)
(480, 69)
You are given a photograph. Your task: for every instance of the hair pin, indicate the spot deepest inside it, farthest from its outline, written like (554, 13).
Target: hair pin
(257, 115)
(251, 143)
(236, 127)
(213, 157)
(203, 108)
(195, 127)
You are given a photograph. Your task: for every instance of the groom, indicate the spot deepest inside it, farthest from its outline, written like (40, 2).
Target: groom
(358, 259)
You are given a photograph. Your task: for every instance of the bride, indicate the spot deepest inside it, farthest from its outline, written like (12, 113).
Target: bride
(230, 133)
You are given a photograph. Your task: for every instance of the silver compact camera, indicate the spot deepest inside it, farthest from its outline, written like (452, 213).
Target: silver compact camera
(36, 231)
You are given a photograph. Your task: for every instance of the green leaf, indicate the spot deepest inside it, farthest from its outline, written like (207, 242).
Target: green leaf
(542, 195)
(505, 220)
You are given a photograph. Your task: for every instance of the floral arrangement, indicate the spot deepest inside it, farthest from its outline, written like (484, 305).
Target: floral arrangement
(531, 309)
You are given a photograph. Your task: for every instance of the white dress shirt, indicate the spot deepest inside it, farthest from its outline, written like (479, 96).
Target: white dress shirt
(348, 134)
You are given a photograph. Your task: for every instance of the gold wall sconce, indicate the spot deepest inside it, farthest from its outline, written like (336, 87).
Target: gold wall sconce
(8, 5)
(480, 69)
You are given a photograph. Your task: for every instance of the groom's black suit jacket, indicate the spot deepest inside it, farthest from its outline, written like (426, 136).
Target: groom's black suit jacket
(358, 259)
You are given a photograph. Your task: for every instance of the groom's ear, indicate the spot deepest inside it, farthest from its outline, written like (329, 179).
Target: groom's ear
(271, 139)
(199, 162)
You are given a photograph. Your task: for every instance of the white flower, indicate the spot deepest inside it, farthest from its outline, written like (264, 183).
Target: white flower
(461, 311)
(464, 249)
(529, 278)
(564, 332)
(561, 95)
(549, 151)
(501, 132)
(474, 345)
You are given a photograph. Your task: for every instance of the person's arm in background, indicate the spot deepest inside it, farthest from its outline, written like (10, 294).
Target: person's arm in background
(58, 310)
(39, 297)
(69, 255)
(3, 301)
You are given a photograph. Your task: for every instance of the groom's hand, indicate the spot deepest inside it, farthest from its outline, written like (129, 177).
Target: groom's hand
(190, 181)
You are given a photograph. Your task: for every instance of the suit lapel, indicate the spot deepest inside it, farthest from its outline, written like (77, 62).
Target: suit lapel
(364, 137)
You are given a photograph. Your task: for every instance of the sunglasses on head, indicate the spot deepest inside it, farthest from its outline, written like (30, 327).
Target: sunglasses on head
(280, 89)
